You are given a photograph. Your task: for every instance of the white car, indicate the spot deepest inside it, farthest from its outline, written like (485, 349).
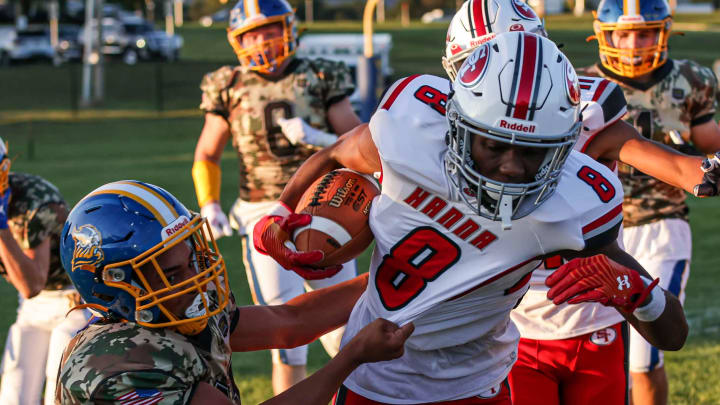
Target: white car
(26, 45)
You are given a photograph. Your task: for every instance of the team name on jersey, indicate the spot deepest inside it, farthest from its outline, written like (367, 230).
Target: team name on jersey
(451, 219)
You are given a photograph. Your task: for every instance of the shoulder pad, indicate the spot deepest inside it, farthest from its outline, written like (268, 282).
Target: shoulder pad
(588, 195)
(602, 103)
(417, 94)
(113, 359)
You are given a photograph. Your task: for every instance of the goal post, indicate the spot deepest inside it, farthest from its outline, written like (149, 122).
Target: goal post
(368, 68)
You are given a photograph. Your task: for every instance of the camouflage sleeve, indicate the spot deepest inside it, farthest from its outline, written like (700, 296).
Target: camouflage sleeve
(143, 386)
(702, 104)
(338, 81)
(48, 220)
(214, 87)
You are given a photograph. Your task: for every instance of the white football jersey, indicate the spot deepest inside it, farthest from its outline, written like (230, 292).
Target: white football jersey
(453, 273)
(603, 103)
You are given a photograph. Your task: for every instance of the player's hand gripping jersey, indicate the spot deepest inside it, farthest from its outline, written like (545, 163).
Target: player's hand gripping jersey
(455, 274)
(602, 103)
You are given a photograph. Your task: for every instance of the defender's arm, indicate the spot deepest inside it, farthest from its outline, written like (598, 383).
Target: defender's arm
(620, 141)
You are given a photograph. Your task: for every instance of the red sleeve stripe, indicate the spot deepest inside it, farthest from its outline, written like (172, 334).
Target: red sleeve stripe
(602, 224)
(400, 87)
(600, 89)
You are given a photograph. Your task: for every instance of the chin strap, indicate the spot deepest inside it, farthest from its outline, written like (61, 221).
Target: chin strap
(96, 307)
(506, 209)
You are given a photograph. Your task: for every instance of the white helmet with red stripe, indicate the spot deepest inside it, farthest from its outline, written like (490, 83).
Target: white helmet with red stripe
(517, 88)
(477, 21)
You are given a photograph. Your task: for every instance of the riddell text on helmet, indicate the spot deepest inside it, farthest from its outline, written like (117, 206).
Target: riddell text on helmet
(514, 126)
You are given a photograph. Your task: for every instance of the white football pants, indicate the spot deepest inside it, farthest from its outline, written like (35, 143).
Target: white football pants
(271, 284)
(34, 347)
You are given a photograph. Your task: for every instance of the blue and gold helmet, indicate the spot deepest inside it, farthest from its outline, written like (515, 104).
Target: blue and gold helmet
(617, 15)
(267, 56)
(111, 244)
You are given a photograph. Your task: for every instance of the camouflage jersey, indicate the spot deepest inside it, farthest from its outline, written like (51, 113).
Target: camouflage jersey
(123, 362)
(680, 95)
(252, 103)
(37, 211)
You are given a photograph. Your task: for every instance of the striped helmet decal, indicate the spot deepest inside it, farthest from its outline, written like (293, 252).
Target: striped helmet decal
(153, 201)
(478, 18)
(631, 7)
(252, 8)
(526, 78)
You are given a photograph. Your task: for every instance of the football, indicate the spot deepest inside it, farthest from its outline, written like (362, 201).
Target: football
(339, 203)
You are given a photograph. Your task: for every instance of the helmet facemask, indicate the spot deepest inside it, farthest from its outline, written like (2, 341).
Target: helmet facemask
(208, 288)
(496, 200)
(632, 62)
(267, 56)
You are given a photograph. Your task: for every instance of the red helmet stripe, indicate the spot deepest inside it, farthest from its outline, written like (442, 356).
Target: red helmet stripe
(527, 76)
(478, 18)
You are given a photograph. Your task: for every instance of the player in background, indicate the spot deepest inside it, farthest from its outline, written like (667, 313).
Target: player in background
(469, 206)
(32, 213)
(167, 322)
(673, 102)
(275, 107)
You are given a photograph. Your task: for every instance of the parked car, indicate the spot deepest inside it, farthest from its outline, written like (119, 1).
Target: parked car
(27, 45)
(68, 47)
(133, 39)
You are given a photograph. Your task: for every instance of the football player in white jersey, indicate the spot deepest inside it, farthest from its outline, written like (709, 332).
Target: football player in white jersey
(575, 354)
(469, 207)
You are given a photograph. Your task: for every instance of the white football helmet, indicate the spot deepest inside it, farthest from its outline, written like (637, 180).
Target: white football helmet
(517, 88)
(478, 21)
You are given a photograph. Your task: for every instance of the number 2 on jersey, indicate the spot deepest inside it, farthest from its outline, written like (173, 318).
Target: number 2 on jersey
(419, 258)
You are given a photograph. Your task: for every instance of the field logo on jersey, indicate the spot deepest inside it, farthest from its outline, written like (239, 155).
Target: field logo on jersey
(524, 10)
(474, 67)
(603, 337)
(87, 253)
(571, 84)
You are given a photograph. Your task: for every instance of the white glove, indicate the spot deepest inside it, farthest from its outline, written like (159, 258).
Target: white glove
(219, 224)
(298, 131)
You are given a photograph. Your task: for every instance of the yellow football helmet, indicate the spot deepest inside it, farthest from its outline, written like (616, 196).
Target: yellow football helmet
(635, 15)
(267, 56)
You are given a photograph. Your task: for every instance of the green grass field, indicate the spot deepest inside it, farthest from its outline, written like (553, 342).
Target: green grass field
(79, 154)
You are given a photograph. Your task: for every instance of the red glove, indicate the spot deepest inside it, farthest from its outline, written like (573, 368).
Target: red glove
(598, 279)
(271, 237)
